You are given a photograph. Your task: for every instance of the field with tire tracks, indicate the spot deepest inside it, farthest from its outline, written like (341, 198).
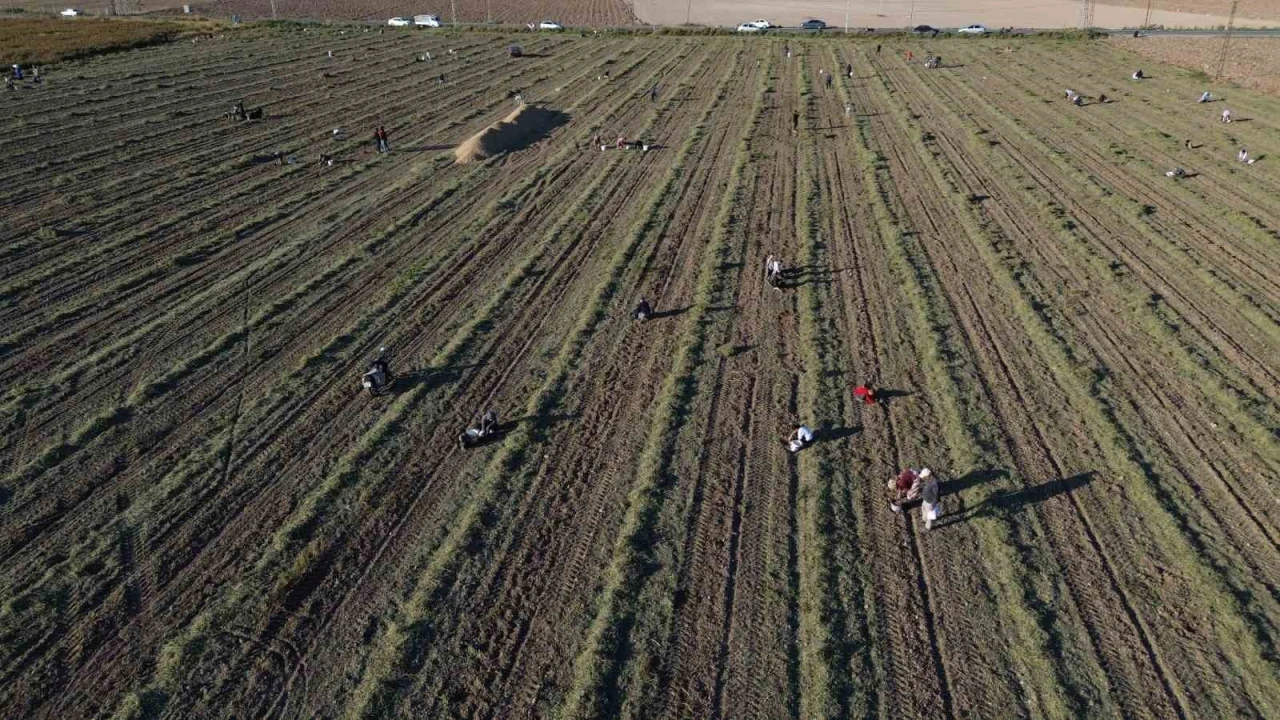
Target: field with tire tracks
(202, 514)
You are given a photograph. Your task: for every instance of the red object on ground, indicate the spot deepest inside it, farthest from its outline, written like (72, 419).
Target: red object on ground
(867, 394)
(905, 479)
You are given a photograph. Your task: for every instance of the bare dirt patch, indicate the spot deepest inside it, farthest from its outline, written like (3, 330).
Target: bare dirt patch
(43, 40)
(582, 13)
(1251, 62)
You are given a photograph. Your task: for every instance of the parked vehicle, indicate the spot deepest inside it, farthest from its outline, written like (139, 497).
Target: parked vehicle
(762, 24)
(750, 28)
(400, 22)
(550, 25)
(813, 25)
(71, 12)
(922, 29)
(427, 20)
(975, 29)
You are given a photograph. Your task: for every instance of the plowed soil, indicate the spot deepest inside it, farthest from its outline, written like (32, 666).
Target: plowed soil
(203, 515)
(577, 13)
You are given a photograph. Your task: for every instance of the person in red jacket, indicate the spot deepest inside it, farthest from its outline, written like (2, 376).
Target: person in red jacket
(865, 393)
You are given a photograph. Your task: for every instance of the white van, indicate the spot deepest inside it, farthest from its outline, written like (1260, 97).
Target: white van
(426, 20)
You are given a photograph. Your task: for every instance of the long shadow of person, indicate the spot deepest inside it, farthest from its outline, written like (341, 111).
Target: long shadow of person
(1007, 502)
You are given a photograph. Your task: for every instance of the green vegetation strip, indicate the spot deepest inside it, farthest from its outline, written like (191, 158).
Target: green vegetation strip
(629, 568)
(507, 473)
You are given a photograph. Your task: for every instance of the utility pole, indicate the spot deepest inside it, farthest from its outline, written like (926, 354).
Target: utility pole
(1146, 22)
(1226, 39)
(454, 7)
(912, 17)
(846, 17)
(688, 12)
(488, 11)
(273, 9)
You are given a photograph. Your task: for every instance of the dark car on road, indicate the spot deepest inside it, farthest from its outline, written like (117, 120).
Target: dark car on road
(813, 25)
(922, 29)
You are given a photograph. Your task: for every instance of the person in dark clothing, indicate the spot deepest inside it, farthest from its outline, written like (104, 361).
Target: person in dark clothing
(489, 422)
(877, 49)
(795, 122)
(653, 94)
(643, 311)
(239, 111)
(848, 70)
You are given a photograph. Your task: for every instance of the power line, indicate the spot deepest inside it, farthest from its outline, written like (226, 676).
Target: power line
(1226, 40)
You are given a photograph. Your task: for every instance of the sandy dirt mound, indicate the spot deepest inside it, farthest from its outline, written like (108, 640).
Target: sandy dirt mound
(524, 126)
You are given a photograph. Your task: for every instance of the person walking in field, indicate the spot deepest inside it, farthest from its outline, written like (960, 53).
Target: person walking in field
(1206, 97)
(848, 70)
(877, 49)
(653, 94)
(643, 310)
(795, 122)
(1243, 155)
(828, 81)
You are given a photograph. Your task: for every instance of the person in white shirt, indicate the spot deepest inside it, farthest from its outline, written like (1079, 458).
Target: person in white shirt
(801, 438)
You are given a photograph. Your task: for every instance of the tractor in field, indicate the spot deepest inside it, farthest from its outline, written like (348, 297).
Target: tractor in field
(378, 379)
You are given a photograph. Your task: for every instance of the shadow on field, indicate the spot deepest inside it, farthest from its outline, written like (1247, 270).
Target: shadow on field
(430, 377)
(670, 313)
(540, 422)
(1008, 502)
(884, 395)
(832, 434)
(808, 275)
(425, 148)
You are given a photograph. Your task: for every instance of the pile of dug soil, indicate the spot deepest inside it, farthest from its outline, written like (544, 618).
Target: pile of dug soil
(522, 127)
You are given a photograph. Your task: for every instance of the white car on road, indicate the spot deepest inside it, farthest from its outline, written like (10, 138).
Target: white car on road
(427, 20)
(762, 24)
(550, 25)
(750, 28)
(400, 22)
(70, 12)
(973, 30)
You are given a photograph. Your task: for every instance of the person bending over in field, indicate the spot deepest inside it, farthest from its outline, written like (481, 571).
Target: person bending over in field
(489, 422)
(643, 310)
(907, 486)
(801, 438)
(1137, 75)
(1226, 116)
(866, 394)
(773, 271)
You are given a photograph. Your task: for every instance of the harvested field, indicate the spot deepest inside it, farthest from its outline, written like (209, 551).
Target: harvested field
(580, 13)
(29, 41)
(1251, 62)
(202, 514)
